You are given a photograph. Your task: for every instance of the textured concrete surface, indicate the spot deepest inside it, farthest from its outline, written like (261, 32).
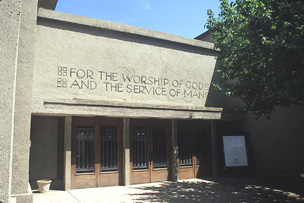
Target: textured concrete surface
(23, 96)
(67, 150)
(87, 66)
(17, 25)
(126, 151)
(122, 28)
(226, 190)
(9, 25)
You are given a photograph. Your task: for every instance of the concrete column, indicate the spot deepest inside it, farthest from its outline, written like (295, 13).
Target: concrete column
(214, 149)
(18, 22)
(8, 46)
(126, 151)
(67, 152)
(174, 151)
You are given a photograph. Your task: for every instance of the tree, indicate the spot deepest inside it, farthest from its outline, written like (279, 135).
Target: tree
(261, 46)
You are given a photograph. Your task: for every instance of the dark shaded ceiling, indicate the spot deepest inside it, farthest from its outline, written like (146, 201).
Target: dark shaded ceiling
(47, 4)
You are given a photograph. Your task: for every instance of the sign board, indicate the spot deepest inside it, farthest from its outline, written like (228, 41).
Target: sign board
(235, 151)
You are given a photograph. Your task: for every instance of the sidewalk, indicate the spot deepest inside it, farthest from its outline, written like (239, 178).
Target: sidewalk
(191, 190)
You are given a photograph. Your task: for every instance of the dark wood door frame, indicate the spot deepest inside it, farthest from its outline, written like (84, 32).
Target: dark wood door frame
(112, 178)
(96, 178)
(200, 132)
(150, 174)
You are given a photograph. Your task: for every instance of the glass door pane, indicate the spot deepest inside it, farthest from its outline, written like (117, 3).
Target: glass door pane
(85, 150)
(108, 149)
(140, 159)
(159, 148)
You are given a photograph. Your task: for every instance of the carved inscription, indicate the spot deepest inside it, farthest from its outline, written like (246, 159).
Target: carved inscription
(77, 78)
(62, 77)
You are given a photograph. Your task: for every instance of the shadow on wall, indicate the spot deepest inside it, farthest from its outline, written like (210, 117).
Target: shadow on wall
(221, 190)
(216, 98)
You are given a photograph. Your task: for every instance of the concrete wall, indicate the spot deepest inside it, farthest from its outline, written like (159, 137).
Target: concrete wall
(17, 32)
(22, 117)
(80, 60)
(9, 36)
(278, 143)
(45, 135)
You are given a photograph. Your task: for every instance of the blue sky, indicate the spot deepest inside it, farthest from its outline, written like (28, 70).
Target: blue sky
(179, 17)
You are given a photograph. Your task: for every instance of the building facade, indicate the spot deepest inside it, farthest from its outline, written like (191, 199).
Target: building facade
(90, 103)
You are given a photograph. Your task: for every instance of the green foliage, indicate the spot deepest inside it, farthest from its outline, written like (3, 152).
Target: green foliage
(262, 52)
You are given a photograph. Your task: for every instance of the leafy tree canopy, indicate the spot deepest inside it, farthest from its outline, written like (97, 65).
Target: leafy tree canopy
(262, 52)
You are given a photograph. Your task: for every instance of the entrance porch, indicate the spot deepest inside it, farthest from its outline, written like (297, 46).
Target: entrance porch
(88, 152)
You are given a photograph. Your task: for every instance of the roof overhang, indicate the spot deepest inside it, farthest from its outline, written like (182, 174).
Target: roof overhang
(47, 4)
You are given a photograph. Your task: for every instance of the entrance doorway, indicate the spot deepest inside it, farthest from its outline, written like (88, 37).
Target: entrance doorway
(194, 149)
(150, 152)
(96, 152)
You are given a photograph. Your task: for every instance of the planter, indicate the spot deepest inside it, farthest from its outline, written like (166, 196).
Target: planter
(44, 185)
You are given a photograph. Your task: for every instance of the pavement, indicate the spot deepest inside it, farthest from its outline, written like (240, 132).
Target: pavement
(191, 190)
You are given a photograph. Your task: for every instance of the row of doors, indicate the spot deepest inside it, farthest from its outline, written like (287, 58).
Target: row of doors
(97, 151)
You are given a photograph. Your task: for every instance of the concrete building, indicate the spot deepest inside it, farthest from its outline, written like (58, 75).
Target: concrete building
(91, 103)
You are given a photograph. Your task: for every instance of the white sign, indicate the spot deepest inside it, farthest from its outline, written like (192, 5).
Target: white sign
(235, 151)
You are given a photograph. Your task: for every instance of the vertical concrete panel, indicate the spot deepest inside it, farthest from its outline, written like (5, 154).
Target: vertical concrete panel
(126, 151)
(23, 95)
(44, 148)
(174, 161)
(214, 149)
(67, 152)
(9, 35)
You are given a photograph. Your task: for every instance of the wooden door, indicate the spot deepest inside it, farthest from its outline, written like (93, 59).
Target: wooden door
(110, 152)
(149, 151)
(194, 149)
(96, 152)
(84, 159)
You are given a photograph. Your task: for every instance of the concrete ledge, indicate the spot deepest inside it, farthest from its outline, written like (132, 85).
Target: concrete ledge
(44, 106)
(87, 102)
(234, 116)
(24, 198)
(80, 20)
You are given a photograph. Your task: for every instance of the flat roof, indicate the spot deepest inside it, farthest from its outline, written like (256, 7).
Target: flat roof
(92, 22)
